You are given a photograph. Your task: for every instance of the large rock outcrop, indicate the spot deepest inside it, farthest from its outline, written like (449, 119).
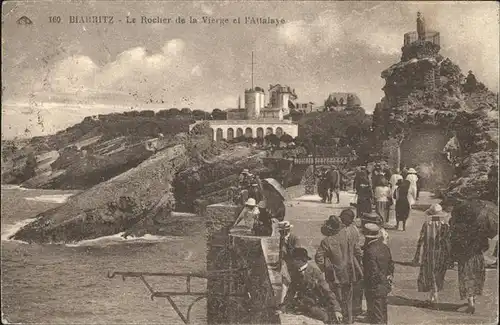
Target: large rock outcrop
(208, 183)
(143, 199)
(434, 118)
(90, 152)
(113, 206)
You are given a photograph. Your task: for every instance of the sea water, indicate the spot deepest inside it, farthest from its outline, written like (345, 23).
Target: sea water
(67, 283)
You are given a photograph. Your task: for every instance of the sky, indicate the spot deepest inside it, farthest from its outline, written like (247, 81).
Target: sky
(54, 74)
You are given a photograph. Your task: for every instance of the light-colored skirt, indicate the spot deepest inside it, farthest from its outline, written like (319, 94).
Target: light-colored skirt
(382, 209)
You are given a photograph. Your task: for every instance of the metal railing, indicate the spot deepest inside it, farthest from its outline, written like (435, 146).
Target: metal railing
(187, 292)
(320, 160)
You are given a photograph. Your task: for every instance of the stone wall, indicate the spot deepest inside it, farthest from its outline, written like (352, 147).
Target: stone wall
(260, 285)
(219, 219)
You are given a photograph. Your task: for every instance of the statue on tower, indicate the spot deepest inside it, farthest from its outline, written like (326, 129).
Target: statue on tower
(420, 26)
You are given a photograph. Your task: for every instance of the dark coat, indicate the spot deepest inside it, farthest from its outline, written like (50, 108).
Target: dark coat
(287, 248)
(377, 266)
(288, 245)
(338, 257)
(334, 178)
(311, 289)
(264, 226)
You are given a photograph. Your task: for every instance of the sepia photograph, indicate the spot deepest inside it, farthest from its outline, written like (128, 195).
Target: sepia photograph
(249, 162)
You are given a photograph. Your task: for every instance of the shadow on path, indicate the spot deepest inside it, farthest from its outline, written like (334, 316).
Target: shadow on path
(402, 301)
(311, 201)
(410, 263)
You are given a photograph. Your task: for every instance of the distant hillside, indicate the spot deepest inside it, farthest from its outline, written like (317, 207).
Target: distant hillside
(94, 150)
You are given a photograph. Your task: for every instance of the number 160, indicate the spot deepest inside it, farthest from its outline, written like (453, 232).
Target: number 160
(55, 19)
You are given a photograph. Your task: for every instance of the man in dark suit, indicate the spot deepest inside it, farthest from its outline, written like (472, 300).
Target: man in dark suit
(333, 176)
(309, 292)
(378, 269)
(337, 256)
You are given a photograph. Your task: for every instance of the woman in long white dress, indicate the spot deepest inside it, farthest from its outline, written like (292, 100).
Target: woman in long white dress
(412, 178)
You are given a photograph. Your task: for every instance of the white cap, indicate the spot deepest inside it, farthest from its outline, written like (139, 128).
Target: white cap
(251, 202)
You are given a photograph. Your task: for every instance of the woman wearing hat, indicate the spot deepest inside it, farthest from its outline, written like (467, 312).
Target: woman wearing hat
(364, 193)
(435, 239)
(248, 217)
(382, 199)
(467, 248)
(374, 218)
(413, 179)
(402, 197)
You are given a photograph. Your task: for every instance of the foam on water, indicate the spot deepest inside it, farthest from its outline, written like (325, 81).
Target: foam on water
(10, 230)
(55, 198)
(118, 238)
(13, 187)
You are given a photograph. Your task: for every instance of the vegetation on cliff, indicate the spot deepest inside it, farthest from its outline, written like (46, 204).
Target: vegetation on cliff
(143, 198)
(338, 133)
(90, 152)
(428, 91)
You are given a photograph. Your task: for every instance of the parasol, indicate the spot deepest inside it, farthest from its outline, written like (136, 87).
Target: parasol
(487, 217)
(482, 213)
(275, 186)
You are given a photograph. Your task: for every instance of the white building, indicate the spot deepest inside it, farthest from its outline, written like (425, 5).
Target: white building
(230, 129)
(254, 102)
(256, 120)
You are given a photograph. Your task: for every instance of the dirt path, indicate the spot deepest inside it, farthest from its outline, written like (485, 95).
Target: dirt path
(307, 214)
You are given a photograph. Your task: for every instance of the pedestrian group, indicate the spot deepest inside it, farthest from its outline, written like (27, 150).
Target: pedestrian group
(350, 263)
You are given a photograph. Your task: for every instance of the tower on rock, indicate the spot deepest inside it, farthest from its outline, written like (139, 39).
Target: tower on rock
(420, 43)
(418, 68)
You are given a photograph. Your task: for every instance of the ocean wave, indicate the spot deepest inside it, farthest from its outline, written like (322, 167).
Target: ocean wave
(13, 187)
(118, 238)
(10, 230)
(55, 198)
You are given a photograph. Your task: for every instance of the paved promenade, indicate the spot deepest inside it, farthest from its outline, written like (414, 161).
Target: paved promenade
(307, 214)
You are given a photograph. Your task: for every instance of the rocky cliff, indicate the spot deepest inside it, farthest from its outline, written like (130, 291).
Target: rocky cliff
(113, 206)
(143, 199)
(90, 152)
(435, 118)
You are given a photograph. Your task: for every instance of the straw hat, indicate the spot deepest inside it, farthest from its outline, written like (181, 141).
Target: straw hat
(251, 202)
(435, 210)
(371, 230)
(284, 225)
(371, 217)
(412, 171)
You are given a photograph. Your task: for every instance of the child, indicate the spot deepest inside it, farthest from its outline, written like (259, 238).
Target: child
(382, 197)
